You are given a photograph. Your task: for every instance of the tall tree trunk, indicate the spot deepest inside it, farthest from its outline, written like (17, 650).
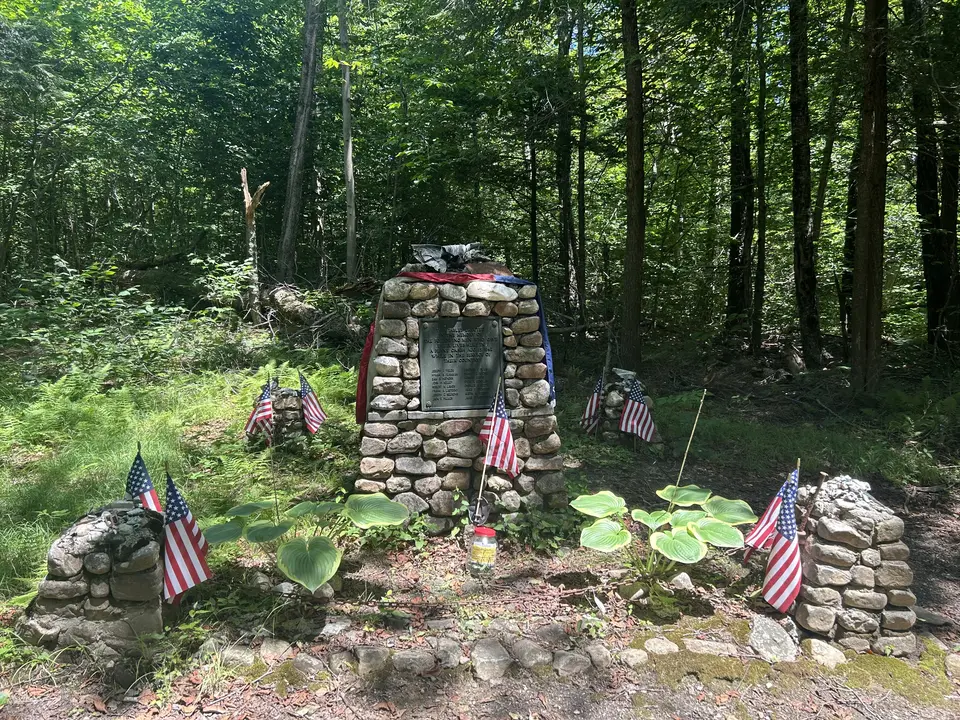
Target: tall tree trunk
(287, 261)
(250, 203)
(563, 152)
(580, 265)
(871, 203)
(832, 125)
(936, 266)
(849, 252)
(534, 209)
(741, 175)
(949, 171)
(631, 336)
(804, 250)
(756, 318)
(351, 225)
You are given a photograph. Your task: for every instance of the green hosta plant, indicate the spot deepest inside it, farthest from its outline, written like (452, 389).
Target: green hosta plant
(693, 521)
(304, 539)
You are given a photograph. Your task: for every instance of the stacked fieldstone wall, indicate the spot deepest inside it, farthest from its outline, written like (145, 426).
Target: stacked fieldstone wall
(104, 583)
(425, 459)
(856, 580)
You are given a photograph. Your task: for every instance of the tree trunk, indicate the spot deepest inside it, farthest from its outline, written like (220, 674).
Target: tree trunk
(250, 203)
(804, 250)
(580, 265)
(351, 225)
(534, 232)
(949, 167)
(631, 336)
(287, 261)
(741, 175)
(563, 155)
(832, 125)
(936, 266)
(849, 252)
(871, 203)
(756, 326)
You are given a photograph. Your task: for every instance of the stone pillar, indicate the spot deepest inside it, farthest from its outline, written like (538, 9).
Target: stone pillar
(856, 580)
(287, 414)
(423, 458)
(104, 584)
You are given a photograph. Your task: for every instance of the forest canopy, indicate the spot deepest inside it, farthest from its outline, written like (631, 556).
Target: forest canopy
(680, 167)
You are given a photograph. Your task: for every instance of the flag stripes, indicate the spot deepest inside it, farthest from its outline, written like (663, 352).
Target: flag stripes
(495, 434)
(591, 414)
(184, 549)
(261, 419)
(313, 414)
(636, 418)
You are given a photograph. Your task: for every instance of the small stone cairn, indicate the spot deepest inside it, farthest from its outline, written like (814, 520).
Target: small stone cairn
(422, 459)
(103, 586)
(856, 587)
(615, 392)
(287, 414)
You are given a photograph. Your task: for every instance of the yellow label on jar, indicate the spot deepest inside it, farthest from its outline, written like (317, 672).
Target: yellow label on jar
(483, 555)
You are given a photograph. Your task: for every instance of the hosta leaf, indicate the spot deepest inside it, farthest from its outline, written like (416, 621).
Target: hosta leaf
(732, 512)
(684, 495)
(314, 508)
(248, 509)
(310, 562)
(224, 532)
(604, 535)
(717, 533)
(265, 531)
(367, 511)
(600, 505)
(651, 520)
(681, 518)
(679, 546)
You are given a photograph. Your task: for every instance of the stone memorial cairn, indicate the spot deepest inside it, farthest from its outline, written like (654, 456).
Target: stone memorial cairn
(287, 414)
(103, 586)
(615, 392)
(856, 587)
(422, 457)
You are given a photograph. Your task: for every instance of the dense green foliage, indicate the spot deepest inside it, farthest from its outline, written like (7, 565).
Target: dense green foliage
(125, 125)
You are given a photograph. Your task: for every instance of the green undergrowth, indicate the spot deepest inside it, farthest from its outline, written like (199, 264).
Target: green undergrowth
(907, 444)
(70, 447)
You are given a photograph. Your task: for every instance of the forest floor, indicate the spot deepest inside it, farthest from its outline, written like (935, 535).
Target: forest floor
(66, 447)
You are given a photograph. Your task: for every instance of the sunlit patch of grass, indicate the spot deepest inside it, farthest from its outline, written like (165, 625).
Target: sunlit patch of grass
(83, 442)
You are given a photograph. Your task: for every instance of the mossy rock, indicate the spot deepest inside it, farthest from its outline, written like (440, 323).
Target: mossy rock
(673, 668)
(926, 684)
(283, 677)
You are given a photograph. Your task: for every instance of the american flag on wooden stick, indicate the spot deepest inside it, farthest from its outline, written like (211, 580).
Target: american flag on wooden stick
(591, 414)
(184, 547)
(313, 414)
(261, 419)
(495, 434)
(139, 484)
(781, 585)
(636, 418)
(761, 536)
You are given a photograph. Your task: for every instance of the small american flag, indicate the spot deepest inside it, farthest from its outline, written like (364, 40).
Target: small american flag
(261, 419)
(591, 414)
(495, 434)
(782, 582)
(313, 414)
(761, 536)
(636, 417)
(139, 484)
(184, 547)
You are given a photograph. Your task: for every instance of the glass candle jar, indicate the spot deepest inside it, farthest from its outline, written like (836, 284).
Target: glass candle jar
(483, 552)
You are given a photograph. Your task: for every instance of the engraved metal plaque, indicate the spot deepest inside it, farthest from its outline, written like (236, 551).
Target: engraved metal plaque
(461, 362)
